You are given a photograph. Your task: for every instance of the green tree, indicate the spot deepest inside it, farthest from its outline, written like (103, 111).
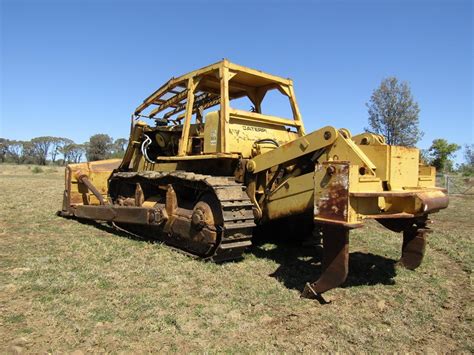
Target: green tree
(4, 143)
(119, 146)
(424, 156)
(78, 152)
(72, 152)
(15, 151)
(394, 113)
(28, 153)
(66, 152)
(441, 152)
(41, 148)
(56, 146)
(99, 147)
(467, 168)
(469, 154)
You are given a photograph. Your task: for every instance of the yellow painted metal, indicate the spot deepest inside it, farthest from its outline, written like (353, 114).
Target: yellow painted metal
(226, 81)
(352, 182)
(258, 117)
(319, 139)
(426, 176)
(224, 112)
(404, 166)
(344, 149)
(183, 143)
(355, 177)
(294, 197)
(242, 134)
(211, 132)
(295, 108)
(369, 139)
(327, 177)
(97, 172)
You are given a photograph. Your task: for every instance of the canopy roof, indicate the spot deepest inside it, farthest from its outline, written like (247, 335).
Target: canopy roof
(207, 86)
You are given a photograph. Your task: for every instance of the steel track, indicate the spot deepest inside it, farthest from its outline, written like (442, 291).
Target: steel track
(235, 233)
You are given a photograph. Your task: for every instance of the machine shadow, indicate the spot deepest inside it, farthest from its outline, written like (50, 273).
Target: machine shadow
(299, 264)
(103, 226)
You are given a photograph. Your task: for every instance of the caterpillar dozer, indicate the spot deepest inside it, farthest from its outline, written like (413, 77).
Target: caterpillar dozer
(200, 175)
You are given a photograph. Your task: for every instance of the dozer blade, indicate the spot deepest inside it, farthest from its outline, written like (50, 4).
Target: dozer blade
(335, 263)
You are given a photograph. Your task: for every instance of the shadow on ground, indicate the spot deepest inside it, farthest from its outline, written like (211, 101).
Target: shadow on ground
(105, 227)
(299, 264)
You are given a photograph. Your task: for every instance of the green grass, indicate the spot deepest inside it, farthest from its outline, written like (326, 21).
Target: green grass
(37, 170)
(69, 286)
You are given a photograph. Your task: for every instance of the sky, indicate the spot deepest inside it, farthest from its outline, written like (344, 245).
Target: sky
(76, 68)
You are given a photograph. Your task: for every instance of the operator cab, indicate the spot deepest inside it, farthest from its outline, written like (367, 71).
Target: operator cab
(194, 115)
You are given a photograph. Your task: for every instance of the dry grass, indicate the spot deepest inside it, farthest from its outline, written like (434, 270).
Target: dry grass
(69, 286)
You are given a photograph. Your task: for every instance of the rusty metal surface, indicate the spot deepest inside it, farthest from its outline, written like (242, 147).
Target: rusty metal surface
(335, 263)
(85, 180)
(384, 194)
(414, 232)
(218, 226)
(104, 165)
(414, 245)
(134, 215)
(341, 224)
(433, 201)
(397, 193)
(400, 215)
(332, 194)
(182, 227)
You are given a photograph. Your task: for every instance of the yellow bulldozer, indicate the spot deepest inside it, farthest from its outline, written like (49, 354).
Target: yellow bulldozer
(201, 175)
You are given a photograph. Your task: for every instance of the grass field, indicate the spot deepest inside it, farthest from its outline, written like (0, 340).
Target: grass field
(68, 286)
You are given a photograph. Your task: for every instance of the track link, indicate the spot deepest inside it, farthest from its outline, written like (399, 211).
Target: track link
(235, 233)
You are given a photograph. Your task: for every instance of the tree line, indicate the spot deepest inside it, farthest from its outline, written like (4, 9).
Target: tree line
(59, 150)
(392, 111)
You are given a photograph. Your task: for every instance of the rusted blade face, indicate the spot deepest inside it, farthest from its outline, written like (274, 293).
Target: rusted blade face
(413, 249)
(432, 201)
(335, 264)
